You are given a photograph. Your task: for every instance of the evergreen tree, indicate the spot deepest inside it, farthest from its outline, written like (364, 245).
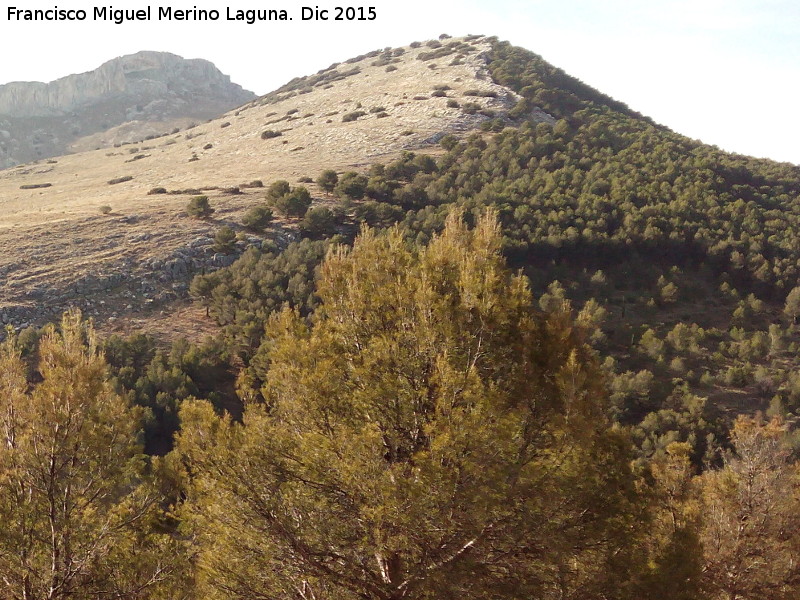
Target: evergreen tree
(199, 208)
(225, 240)
(327, 180)
(77, 507)
(751, 516)
(429, 435)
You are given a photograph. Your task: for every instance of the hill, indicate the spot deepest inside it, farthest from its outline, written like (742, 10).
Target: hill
(476, 328)
(76, 255)
(679, 259)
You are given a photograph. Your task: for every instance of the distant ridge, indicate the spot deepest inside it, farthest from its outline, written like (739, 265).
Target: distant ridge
(40, 120)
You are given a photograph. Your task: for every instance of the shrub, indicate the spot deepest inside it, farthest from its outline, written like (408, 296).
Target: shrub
(295, 203)
(278, 189)
(391, 68)
(353, 116)
(157, 190)
(258, 217)
(351, 185)
(481, 93)
(451, 103)
(318, 222)
(199, 208)
(120, 180)
(269, 134)
(449, 142)
(105, 209)
(224, 240)
(305, 179)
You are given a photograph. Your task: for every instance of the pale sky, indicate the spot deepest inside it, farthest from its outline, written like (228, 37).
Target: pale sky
(726, 72)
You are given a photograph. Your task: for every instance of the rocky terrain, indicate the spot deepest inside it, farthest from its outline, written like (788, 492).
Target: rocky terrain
(57, 250)
(41, 120)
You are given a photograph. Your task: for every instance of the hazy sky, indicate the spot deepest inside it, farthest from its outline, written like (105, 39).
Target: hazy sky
(723, 71)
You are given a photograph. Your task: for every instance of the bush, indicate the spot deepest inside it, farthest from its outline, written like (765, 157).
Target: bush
(351, 185)
(452, 103)
(318, 223)
(353, 116)
(120, 180)
(269, 134)
(225, 240)
(481, 93)
(391, 68)
(278, 189)
(199, 208)
(449, 142)
(295, 203)
(157, 190)
(105, 209)
(258, 217)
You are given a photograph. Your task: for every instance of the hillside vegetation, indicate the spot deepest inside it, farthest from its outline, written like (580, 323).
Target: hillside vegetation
(555, 357)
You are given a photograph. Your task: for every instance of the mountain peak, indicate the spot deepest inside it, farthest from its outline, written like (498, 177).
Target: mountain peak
(44, 119)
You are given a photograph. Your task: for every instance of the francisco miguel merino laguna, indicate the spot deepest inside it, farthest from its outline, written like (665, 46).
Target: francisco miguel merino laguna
(167, 13)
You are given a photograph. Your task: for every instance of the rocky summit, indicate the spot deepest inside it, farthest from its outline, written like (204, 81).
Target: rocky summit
(119, 101)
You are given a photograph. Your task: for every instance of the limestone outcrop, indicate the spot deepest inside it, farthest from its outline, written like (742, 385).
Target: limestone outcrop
(40, 120)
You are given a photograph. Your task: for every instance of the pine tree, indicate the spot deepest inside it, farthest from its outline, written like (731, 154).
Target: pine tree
(672, 536)
(77, 508)
(429, 434)
(751, 516)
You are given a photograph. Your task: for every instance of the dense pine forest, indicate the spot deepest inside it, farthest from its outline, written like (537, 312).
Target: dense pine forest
(547, 360)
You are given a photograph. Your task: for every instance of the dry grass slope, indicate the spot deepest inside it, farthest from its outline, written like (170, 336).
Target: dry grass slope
(56, 249)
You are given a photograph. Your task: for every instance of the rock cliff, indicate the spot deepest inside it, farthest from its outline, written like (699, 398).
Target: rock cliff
(40, 120)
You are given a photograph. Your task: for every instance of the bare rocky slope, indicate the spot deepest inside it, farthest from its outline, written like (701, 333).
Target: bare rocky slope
(41, 120)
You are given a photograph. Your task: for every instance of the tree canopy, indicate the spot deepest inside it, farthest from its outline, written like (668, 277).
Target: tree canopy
(427, 428)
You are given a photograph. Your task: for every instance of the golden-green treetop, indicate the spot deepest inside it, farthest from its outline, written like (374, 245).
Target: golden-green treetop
(76, 508)
(429, 433)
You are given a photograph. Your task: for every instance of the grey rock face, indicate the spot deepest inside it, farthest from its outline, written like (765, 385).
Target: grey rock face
(39, 120)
